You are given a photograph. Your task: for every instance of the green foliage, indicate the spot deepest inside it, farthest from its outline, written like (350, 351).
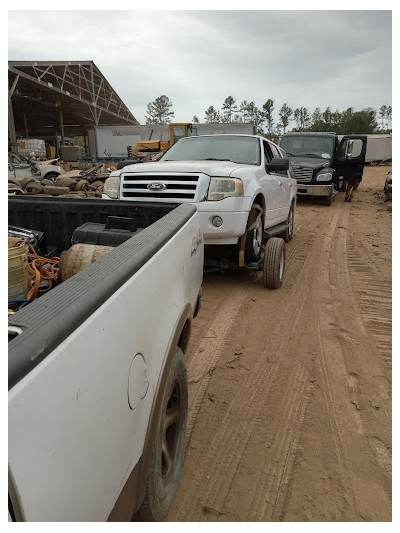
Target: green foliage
(302, 118)
(285, 113)
(341, 122)
(212, 115)
(229, 108)
(159, 111)
(252, 115)
(268, 108)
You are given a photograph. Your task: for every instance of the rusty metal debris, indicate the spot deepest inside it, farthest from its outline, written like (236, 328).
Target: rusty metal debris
(73, 183)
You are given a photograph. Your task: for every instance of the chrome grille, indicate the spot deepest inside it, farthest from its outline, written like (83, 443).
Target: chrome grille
(178, 187)
(302, 174)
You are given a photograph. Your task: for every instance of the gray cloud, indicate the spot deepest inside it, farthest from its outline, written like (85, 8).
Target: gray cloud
(314, 59)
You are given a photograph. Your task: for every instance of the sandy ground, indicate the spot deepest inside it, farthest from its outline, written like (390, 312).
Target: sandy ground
(290, 389)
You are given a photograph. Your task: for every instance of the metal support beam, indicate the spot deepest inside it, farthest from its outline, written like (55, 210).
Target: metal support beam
(62, 128)
(26, 127)
(11, 126)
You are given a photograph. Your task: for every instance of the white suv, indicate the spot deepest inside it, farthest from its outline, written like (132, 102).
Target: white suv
(240, 184)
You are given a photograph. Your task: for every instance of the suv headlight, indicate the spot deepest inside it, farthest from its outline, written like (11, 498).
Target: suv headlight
(327, 176)
(224, 187)
(111, 186)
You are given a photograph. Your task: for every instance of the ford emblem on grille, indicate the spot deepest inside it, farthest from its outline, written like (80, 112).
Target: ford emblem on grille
(156, 186)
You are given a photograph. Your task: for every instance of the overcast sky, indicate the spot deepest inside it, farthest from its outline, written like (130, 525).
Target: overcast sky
(312, 59)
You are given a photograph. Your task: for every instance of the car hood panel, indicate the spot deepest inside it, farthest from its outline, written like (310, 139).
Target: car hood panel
(212, 168)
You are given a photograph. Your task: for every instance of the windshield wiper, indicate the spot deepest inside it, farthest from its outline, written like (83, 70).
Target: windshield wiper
(214, 159)
(311, 155)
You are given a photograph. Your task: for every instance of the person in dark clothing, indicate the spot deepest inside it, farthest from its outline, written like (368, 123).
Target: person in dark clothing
(351, 187)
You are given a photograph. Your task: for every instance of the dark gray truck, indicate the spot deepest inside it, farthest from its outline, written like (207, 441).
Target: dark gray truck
(321, 163)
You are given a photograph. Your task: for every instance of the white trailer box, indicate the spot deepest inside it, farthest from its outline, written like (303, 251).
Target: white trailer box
(379, 149)
(110, 142)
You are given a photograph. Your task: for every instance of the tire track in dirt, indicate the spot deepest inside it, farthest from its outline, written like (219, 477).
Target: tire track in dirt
(216, 472)
(375, 296)
(371, 390)
(203, 361)
(371, 300)
(269, 501)
(338, 355)
(296, 429)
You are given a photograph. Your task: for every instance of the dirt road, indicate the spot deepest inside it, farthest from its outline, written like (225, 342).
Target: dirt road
(290, 389)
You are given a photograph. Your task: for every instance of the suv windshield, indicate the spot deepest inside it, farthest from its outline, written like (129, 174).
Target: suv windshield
(308, 146)
(243, 150)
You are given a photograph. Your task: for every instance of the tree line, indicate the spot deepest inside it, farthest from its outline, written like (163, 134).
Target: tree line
(271, 123)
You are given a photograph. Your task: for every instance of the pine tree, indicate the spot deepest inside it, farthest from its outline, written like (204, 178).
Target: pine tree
(212, 115)
(159, 111)
(229, 107)
(285, 113)
(268, 108)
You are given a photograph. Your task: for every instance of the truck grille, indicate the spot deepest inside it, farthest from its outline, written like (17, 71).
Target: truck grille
(167, 187)
(302, 174)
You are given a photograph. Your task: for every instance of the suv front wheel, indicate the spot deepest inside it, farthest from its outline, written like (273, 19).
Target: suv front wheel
(254, 237)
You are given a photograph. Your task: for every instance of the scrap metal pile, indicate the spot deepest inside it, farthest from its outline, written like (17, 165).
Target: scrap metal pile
(75, 183)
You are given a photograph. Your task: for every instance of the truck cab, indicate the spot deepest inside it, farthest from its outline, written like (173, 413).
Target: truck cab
(321, 163)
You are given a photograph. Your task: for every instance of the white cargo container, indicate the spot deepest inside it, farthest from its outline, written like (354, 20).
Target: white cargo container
(379, 149)
(110, 142)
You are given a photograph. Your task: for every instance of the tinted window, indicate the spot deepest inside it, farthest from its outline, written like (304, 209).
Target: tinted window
(275, 151)
(245, 150)
(267, 151)
(309, 145)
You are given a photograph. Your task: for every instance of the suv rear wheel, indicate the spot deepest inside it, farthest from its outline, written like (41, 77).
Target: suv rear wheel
(274, 263)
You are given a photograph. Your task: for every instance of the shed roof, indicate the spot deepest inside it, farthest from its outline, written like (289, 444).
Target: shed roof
(41, 89)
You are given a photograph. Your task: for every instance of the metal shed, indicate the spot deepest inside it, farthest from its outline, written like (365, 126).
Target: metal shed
(54, 99)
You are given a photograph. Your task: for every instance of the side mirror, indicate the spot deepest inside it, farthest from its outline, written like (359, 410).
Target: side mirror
(277, 164)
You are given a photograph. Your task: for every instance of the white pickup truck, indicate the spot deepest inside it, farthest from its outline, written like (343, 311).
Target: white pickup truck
(242, 185)
(97, 380)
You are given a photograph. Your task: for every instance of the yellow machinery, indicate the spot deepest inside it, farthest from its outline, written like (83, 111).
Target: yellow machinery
(154, 149)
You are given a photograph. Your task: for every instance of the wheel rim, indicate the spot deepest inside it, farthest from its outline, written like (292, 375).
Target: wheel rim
(257, 237)
(170, 435)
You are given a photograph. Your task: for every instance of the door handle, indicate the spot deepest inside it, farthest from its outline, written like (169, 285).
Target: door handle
(280, 184)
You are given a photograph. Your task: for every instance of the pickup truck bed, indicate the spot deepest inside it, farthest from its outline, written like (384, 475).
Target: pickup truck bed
(59, 218)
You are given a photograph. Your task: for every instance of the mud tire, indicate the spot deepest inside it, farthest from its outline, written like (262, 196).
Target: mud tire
(165, 470)
(54, 190)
